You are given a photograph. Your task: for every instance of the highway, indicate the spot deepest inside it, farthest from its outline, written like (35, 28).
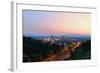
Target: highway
(78, 43)
(64, 54)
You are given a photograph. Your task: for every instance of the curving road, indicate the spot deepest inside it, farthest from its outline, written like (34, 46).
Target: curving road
(65, 53)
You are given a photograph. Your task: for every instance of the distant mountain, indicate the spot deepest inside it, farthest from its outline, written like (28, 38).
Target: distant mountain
(57, 35)
(77, 35)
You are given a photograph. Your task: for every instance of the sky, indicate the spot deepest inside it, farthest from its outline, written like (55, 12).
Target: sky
(46, 22)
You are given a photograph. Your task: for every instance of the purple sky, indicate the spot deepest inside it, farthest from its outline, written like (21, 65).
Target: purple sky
(43, 22)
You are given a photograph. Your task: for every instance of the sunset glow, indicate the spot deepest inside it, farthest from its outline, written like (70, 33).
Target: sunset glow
(56, 22)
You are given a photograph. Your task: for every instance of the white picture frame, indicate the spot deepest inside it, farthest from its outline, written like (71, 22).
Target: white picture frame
(16, 51)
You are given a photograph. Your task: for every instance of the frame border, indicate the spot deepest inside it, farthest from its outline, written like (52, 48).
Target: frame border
(14, 45)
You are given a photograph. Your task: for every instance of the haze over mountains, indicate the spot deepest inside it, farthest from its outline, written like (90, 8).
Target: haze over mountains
(56, 35)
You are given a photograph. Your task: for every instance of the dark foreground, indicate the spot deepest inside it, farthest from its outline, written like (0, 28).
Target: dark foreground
(37, 50)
